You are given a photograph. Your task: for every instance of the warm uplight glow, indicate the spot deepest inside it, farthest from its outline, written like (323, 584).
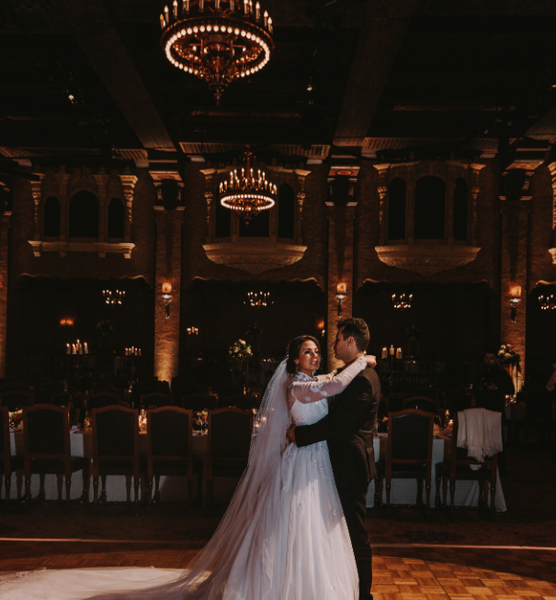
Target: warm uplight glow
(515, 291)
(66, 322)
(166, 288)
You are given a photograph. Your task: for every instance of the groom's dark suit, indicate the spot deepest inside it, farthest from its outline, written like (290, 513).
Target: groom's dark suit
(348, 430)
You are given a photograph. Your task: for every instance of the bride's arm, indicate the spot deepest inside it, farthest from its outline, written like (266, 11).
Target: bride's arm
(312, 391)
(369, 358)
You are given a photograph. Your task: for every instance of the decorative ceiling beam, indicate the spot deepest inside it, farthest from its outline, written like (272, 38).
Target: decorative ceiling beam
(96, 34)
(380, 37)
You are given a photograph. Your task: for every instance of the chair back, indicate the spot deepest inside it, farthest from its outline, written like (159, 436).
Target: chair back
(170, 436)
(115, 433)
(229, 432)
(102, 399)
(156, 399)
(60, 399)
(46, 432)
(420, 403)
(410, 436)
(16, 399)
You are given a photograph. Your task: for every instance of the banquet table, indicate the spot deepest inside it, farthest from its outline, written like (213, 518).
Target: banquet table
(404, 491)
(174, 489)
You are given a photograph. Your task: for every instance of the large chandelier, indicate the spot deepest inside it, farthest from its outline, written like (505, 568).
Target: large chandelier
(547, 301)
(247, 191)
(217, 40)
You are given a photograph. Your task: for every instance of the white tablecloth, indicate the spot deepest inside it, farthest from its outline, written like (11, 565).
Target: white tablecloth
(404, 491)
(174, 489)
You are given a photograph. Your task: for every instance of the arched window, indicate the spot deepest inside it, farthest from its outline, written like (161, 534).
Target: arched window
(430, 208)
(259, 226)
(222, 224)
(460, 210)
(116, 218)
(51, 217)
(286, 212)
(83, 215)
(396, 209)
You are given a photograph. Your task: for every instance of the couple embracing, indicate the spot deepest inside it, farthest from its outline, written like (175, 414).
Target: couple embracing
(295, 527)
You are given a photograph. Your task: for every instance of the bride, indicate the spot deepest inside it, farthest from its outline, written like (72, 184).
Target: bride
(283, 537)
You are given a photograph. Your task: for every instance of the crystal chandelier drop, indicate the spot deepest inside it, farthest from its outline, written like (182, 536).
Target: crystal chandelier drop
(247, 190)
(217, 40)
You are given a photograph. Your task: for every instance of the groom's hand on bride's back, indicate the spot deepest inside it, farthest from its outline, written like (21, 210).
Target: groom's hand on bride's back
(290, 434)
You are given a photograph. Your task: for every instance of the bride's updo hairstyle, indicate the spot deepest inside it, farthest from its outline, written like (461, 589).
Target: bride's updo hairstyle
(294, 348)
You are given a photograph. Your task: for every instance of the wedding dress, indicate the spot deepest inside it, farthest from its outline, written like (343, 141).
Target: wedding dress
(283, 536)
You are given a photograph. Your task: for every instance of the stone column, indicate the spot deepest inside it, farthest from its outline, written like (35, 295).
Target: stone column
(5, 220)
(340, 270)
(168, 270)
(514, 240)
(128, 184)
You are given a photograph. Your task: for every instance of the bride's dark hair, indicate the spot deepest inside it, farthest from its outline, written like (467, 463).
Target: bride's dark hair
(294, 348)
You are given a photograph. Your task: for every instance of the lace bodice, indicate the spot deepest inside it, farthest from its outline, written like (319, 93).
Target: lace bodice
(308, 396)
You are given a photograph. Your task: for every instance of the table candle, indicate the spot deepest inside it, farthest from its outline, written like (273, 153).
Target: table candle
(385, 352)
(86, 348)
(399, 353)
(68, 349)
(392, 351)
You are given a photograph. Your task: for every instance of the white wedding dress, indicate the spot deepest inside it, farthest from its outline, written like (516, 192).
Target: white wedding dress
(283, 536)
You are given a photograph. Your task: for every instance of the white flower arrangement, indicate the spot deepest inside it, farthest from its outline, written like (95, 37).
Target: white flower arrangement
(240, 350)
(508, 356)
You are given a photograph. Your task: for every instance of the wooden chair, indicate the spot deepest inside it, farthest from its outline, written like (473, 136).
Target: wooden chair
(420, 403)
(8, 464)
(60, 399)
(169, 447)
(155, 399)
(48, 450)
(458, 466)
(229, 439)
(16, 399)
(115, 448)
(408, 454)
(103, 399)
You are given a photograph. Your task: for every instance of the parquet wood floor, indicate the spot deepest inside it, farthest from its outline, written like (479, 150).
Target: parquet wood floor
(401, 572)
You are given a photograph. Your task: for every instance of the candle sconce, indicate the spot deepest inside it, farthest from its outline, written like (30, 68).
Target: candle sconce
(167, 296)
(113, 297)
(192, 331)
(515, 293)
(341, 291)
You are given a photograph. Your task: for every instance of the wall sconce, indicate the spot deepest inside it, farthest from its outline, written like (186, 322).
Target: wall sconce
(167, 296)
(341, 291)
(515, 293)
(321, 328)
(66, 322)
(192, 331)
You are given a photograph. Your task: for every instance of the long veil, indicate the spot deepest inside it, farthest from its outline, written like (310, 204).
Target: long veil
(240, 558)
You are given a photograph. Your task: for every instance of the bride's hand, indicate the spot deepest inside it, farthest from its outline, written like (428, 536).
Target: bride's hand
(371, 360)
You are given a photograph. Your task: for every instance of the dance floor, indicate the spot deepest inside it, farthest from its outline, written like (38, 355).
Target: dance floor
(401, 571)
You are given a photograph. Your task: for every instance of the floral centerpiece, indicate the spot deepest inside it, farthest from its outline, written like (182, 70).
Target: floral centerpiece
(507, 356)
(15, 418)
(200, 421)
(240, 350)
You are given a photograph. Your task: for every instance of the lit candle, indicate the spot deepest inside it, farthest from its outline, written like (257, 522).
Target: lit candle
(245, 10)
(257, 11)
(399, 353)
(68, 349)
(186, 6)
(175, 9)
(385, 352)
(232, 5)
(166, 14)
(270, 24)
(265, 18)
(392, 350)
(162, 22)
(86, 348)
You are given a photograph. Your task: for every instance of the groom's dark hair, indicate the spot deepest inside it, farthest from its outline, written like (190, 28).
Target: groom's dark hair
(358, 330)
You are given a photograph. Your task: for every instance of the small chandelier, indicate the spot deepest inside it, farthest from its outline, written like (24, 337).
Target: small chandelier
(402, 301)
(113, 297)
(547, 302)
(258, 299)
(217, 40)
(247, 192)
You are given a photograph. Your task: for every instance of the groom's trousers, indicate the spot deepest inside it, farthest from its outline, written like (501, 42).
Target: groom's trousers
(354, 504)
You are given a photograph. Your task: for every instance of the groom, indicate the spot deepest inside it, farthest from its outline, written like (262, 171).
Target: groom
(348, 429)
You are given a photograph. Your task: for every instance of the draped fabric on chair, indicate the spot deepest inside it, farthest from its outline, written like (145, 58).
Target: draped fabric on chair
(8, 464)
(116, 448)
(460, 466)
(169, 447)
(48, 450)
(229, 439)
(408, 453)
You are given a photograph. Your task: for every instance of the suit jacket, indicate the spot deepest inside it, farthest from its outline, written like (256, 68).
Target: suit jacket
(348, 429)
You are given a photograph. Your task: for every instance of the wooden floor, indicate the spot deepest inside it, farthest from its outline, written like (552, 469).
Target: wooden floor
(401, 572)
